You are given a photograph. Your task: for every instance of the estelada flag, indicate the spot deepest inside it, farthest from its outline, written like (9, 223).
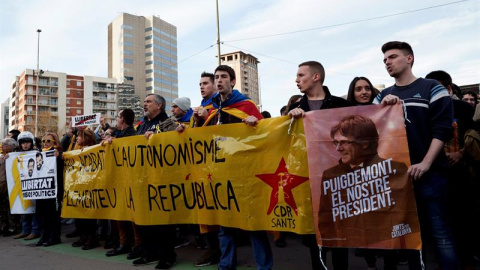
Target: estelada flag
(361, 193)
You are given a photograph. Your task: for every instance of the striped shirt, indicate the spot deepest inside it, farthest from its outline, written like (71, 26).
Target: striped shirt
(429, 115)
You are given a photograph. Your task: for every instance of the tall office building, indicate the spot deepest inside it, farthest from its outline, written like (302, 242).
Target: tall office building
(246, 73)
(142, 51)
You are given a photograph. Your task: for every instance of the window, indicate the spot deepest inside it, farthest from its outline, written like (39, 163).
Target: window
(128, 52)
(128, 61)
(79, 93)
(126, 26)
(68, 92)
(79, 111)
(79, 102)
(79, 83)
(126, 43)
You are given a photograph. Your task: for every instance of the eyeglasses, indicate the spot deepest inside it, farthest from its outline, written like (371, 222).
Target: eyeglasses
(342, 143)
(107, 134)
(48, 141)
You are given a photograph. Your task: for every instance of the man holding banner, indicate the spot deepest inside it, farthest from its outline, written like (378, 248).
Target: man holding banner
(230, 106)
(158, 240)
(428, 120)
(310, 78)
(213, 254)
(130, 241)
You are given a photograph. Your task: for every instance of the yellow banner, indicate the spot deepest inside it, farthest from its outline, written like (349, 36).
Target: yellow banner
(254, 178)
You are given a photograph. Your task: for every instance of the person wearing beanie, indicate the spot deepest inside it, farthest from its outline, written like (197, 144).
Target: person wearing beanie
(181, 111)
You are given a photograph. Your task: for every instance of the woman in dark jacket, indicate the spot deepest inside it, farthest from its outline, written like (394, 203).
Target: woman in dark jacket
(50, 209)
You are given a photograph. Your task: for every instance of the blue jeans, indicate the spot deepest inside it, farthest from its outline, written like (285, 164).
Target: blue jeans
(30, 224)
(430, 195)
(260, 244)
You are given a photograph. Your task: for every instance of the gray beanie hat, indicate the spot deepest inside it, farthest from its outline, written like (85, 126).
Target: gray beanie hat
(183, 103)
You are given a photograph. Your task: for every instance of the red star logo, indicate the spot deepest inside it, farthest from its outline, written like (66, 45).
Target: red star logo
(282, 178)
(209, 177)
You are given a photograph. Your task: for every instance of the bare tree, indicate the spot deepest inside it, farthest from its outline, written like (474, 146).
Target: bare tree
(47, 122)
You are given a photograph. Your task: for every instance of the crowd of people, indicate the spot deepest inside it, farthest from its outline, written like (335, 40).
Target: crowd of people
(444, 145)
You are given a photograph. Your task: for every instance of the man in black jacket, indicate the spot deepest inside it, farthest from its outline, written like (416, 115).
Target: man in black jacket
(310, 78)
(157, 240)
(127, 233)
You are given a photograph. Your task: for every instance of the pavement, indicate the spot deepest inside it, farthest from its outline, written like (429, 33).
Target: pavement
(22, 254)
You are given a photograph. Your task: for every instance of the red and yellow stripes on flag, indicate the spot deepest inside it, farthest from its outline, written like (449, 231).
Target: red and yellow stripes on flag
(240, 110)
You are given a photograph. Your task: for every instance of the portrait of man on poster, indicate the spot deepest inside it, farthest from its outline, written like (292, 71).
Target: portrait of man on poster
(356, 203)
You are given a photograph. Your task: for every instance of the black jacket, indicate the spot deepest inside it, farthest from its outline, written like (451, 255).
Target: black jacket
(160, 123)
(129, 131)
(329, 102)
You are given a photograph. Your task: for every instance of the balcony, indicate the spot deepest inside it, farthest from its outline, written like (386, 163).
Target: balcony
(47, 92)
(104, 89)
(98, 106)
(102, 97)
(43, 82)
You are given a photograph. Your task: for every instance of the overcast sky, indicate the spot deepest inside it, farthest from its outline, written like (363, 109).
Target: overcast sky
(345, 36)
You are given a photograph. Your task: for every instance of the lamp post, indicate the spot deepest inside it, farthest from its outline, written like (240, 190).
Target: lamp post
(218, 38)
(38, 78)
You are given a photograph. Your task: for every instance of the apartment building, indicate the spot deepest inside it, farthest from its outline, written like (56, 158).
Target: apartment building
(246, 73)
(61, 96)
(4, 116)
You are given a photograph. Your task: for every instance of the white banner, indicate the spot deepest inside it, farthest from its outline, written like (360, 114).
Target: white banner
(86, 120)
(30, 175)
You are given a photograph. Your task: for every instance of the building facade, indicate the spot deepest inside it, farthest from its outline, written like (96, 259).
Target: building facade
(142, 51)
(101, 97)
(4, 116)
(128, 100)
(61, 96)
(23, 101)
(246, 73)
(470, 87)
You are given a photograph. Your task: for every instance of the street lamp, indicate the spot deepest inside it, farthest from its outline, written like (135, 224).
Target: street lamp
(218, 37)
(38, 78)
